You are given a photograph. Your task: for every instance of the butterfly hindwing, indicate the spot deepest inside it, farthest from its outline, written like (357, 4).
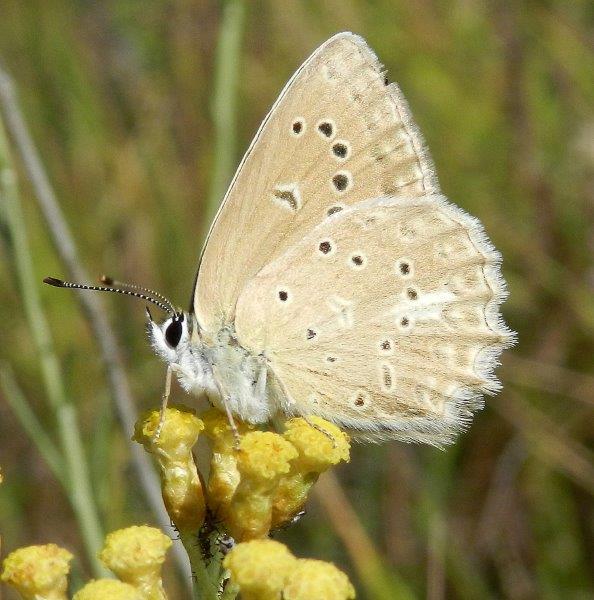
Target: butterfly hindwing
(384, 319)
(337, 135)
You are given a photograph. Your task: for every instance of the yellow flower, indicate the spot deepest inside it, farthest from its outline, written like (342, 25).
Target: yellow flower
(263, 457)
(318, 450)
(224, 476)
(260, 568)
(38, 572)
(136, 555)
(180, 482)
(108, 589)
(319, 447)
(317, 580)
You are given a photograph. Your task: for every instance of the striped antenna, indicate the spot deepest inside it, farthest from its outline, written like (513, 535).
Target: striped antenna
(163, 305)
(114, 283)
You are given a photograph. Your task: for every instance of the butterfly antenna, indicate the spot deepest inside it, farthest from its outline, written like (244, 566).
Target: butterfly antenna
(100, 288)
(109, 281)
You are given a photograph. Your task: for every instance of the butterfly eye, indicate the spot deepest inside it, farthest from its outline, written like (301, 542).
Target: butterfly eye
(173, 333)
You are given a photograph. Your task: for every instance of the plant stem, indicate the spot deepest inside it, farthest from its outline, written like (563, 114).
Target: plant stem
(92, 308)
(230, 592)
(31, 424)
(205, 588)
(224, 104)
(79, 485)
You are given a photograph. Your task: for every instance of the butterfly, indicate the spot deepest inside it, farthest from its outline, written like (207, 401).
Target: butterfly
(336, 279)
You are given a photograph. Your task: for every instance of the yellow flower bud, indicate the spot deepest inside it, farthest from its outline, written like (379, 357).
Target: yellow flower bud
(224, 476)
(318, 449)
(38, 572)
(108, 589)
(180, 483)
(263, 457)
(136, 555)
(317, 580)
(260, 568)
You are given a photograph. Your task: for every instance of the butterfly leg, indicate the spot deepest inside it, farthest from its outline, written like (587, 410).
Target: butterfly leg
(320, 429)
(228, 412)
(164, 401)
(171, 368)
(279, 420)
(236, 436)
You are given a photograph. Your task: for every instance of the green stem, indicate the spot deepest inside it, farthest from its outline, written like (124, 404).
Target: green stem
(30, 423)
(230, 592)
(79, 485)
(205, 588)
(214, 567)
(224, 104)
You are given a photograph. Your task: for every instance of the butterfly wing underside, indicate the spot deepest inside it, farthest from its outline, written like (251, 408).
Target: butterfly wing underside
(384, 319)
(337, 135)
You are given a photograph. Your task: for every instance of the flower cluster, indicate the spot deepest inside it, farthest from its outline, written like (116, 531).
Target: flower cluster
(255, 485)
(257, 482)
(266, 570)
(135, 555)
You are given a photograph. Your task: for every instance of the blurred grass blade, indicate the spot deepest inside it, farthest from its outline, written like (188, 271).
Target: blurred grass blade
(64, 243)
(79, 485)
(436, 551)
(548, 377)
(378, 581)
(224, 105)
(548, 441)
(31, 424)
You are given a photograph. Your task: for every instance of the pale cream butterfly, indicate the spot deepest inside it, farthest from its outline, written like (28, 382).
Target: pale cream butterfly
(336, 280)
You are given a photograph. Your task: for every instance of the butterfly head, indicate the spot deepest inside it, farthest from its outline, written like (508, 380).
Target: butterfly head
(171, 337)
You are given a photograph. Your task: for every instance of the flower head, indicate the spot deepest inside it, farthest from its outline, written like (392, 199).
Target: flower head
(218, 428)
(260, 568)
(136, 555)
(317, 580)
(178, 434)
(263, 457)
(319, 445)
(224, 476)
(38, 572)
(180, 483)
(108, 589)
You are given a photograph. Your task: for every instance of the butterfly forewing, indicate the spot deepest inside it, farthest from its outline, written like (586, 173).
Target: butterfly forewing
(383, 318)
(337, 135)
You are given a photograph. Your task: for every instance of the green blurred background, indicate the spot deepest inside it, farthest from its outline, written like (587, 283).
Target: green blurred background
(139, 109)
